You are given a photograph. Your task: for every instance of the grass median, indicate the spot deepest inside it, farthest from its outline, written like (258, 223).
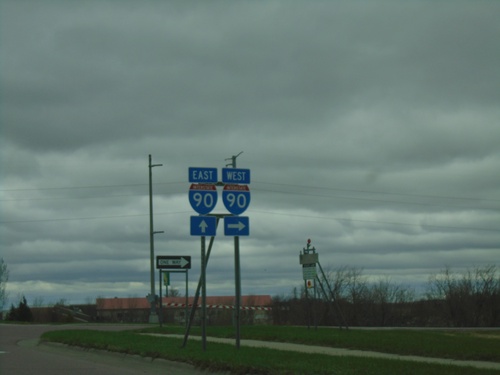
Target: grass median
(246, 360)
(476, 345)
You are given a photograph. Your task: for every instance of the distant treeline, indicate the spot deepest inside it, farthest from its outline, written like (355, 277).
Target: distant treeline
(468, 299)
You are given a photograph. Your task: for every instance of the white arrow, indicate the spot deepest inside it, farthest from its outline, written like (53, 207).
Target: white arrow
(238, 226)
(203, 225)
(173, 262)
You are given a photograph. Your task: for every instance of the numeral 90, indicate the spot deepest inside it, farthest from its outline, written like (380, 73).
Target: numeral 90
(239, 199)
(206, 199)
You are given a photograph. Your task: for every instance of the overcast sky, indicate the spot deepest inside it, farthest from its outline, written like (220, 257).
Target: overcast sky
(371, 127)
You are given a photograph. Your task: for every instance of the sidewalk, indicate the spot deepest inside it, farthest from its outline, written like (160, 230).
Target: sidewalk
(343, 352)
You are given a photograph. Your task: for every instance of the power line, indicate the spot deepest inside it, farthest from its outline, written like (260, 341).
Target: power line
(90, 217)
(87, 197)
(90, 186)
(380, 192)
(374, 200)
(380, 222)
(309, 187)
(268, 190)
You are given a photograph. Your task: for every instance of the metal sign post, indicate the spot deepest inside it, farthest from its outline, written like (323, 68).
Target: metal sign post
(236, 198)
(172, 264)
(237, 284)
(203, 296)
(198, 289)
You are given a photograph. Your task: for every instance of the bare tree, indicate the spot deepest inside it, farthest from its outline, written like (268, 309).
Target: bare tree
(356, 287)
(387, 299)
(471, 298)
(174, 292)
(347, 283)
(338, 280)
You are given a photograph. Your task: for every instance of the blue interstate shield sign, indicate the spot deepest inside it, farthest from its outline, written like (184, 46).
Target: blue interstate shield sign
(203, 197)
(236, 198)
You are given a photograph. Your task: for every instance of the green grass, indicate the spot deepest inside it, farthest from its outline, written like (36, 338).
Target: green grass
(246, 360)
(460, 345)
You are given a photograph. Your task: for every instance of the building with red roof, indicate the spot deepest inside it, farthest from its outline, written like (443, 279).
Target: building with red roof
(255, 309)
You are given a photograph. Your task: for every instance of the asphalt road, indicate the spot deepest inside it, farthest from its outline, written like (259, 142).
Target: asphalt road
(21, 354)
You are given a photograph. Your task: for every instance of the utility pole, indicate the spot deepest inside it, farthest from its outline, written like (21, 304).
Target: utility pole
(233, 160)
(237, 271)
(153, 317)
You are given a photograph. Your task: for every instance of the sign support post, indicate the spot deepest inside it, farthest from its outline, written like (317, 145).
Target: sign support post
(197, 293)
(237, 268)
(168, 264)
(237, 283)
(203, 295)
(160, 318)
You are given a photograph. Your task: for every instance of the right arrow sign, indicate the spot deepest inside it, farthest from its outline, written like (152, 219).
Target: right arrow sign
(236, 226)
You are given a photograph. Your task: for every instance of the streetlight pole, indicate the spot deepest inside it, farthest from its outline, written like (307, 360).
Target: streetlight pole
(153, 317)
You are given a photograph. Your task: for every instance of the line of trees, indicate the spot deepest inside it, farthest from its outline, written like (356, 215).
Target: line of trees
(471, 299)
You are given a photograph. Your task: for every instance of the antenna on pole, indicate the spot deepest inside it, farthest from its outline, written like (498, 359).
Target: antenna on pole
(233, 160)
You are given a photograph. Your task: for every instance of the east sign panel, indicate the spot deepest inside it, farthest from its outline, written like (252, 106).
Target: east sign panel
(203, 175)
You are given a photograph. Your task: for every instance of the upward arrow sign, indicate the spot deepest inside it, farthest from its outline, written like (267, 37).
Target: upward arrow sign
(203, 226)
